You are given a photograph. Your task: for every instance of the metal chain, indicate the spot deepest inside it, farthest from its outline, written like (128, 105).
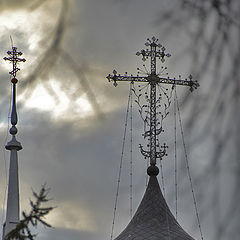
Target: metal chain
(188, 169)
(175, 152)
(120, 167)
(164, 192)
(167, 105)
(4, 156)
(161, 170)
(131, 151)
(147, 177)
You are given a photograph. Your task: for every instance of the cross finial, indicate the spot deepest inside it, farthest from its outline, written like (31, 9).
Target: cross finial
(156, 51)
(14, 58)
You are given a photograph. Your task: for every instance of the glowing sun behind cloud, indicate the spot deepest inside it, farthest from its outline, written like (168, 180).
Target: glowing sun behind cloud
(48, 96)
(22, 25)
(58, 103)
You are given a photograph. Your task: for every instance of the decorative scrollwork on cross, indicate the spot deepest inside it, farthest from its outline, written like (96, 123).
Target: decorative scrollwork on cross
(154, 82)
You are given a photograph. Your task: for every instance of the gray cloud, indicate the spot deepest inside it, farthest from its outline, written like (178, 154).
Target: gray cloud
(79, 158)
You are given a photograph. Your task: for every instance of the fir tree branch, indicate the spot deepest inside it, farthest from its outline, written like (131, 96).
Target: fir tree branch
(36, 215)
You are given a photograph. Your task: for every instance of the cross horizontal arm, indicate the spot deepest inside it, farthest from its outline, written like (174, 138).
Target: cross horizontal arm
(192, 84)
(148, 53)
(114, 78)
(14, 59)
(154, 79)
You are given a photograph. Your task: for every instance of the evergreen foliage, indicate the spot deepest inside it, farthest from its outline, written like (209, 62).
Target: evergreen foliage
(33, 218)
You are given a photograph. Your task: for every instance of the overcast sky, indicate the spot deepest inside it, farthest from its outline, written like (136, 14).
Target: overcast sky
(71, 119)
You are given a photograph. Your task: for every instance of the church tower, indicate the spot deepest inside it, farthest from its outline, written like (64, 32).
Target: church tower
(12, 212)
(153, 219)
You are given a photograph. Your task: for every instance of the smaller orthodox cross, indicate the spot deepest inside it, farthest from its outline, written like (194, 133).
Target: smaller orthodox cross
(14, 58)
(12, 214)
(153, 79)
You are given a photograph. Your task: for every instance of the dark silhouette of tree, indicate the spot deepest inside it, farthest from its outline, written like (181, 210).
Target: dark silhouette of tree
(49, 59)
(212, 28)
(33, 218)
(53, 57)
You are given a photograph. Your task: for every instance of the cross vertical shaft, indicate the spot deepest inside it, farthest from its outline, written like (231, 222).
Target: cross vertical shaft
(153, 106)
(153, 123)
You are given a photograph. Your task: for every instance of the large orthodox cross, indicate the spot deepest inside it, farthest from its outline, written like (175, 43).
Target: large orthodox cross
(153, 79)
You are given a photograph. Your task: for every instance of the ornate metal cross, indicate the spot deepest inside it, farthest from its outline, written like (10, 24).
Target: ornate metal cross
(153, 79)
(14, 58)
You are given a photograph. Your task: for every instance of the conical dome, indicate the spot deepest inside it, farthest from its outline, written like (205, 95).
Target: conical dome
(153, 219)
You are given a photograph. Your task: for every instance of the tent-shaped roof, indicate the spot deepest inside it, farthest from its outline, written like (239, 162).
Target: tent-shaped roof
(153, 219)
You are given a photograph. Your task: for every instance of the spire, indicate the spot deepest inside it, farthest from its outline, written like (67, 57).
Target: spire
(153, 219)
(12, 214)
